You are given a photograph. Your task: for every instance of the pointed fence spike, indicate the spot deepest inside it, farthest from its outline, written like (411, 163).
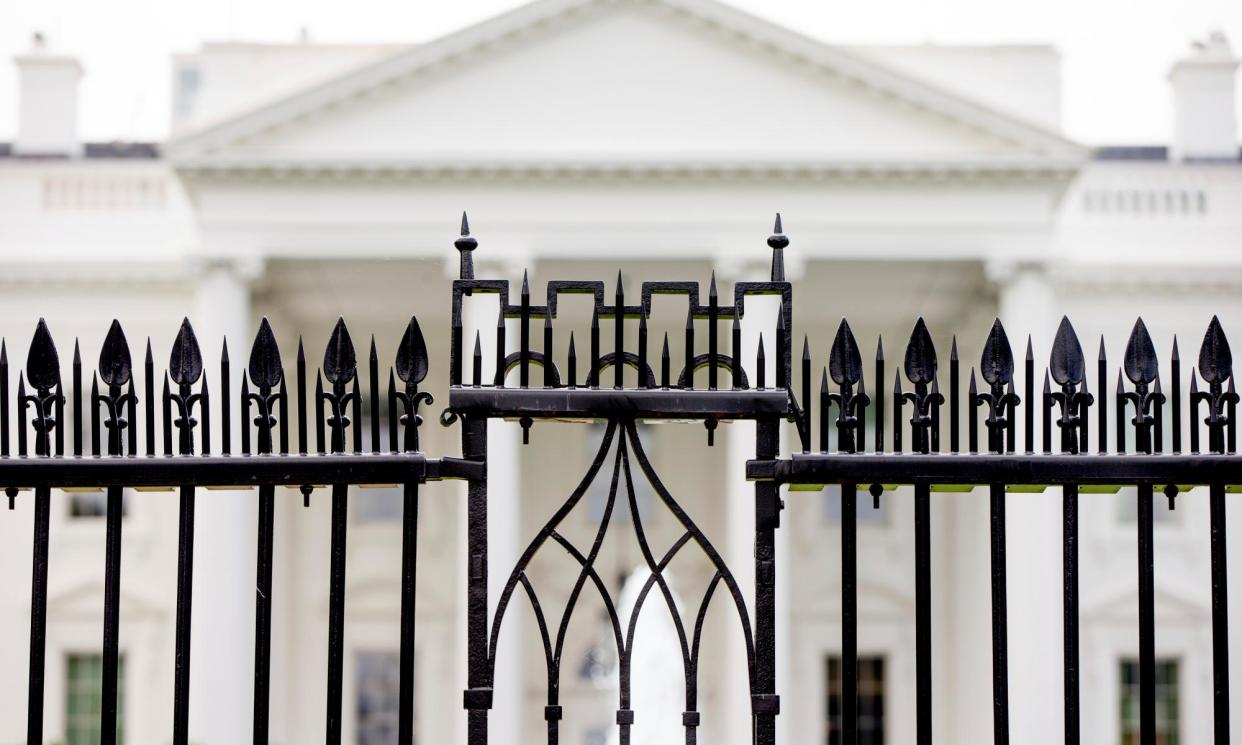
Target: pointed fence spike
(825, 403)
(735, 350)
(1175, 396)
(897, 407)
(374, 386)
(246, 422)
(477, 361)
(77, 396)
(320, 443)
(393, 420)
(618, 337)
(4, 398)
(879, 397)
(303, 424)
(761, 366)
(149, 395)
(205, 403)
(665, 364)
(226, 397)
(807, 408)
(21, 414)
(688, 369)
(96, 439)
(133, 419)
(1194, 412)
(166, 410)
(548, 368)
(593, 362)
(357, 416)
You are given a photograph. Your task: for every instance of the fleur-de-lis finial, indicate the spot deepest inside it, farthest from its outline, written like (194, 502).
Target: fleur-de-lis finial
(845, 367)
(996, 363)
(411, 369)
(1142, 368)
(1215, 367)
(412, 354)
(115, 369)
(265, 368)
(1215, 358)
(1067, 363)
(43, 373)
(996, 369)
(115, 365)
(185, 367)
(340, 365)
(920, 367)
(42, 361)
(920, 362)
(1068, 368)
(844, 360)
(1141, 365)
(339, 361)
(185, 364)
(266, 372)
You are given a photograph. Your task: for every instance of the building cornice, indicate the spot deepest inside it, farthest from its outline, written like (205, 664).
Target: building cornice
(266, 169)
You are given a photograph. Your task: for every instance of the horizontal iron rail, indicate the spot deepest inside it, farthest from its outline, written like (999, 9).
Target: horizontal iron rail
(590, 403)
(975, 468)
(230, 470)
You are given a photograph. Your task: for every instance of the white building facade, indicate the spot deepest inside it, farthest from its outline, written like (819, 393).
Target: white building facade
(304, 182)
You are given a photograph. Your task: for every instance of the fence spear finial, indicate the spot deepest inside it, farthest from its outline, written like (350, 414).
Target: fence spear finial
(777, 242)
(465, 245)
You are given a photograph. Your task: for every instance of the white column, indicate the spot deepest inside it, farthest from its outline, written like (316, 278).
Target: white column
(504, 519)
(224, 535)
(1027, 305)
(739, 549)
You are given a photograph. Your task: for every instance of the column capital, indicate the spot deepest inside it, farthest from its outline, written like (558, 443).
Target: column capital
(1003, 271)
(246, 269)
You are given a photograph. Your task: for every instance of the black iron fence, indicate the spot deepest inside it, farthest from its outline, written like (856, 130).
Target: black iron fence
(830, 427)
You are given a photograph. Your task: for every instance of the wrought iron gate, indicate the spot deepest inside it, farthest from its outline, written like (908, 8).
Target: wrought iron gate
(663, 388)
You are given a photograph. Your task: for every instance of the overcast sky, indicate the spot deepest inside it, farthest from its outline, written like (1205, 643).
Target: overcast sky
(1116, 52)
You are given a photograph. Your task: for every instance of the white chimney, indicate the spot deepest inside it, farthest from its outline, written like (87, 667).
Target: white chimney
(1204, 94)
(48, 103)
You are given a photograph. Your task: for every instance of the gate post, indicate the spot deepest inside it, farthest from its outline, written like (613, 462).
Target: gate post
(477, 698)
(765, 703)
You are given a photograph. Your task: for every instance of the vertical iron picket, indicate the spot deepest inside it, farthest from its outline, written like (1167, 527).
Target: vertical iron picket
(116, 371)
(265, 372)
(185, 367)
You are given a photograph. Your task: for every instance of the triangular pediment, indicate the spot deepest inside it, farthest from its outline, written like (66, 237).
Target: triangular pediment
(1121, 608)
(568, 82)
(86, 600)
